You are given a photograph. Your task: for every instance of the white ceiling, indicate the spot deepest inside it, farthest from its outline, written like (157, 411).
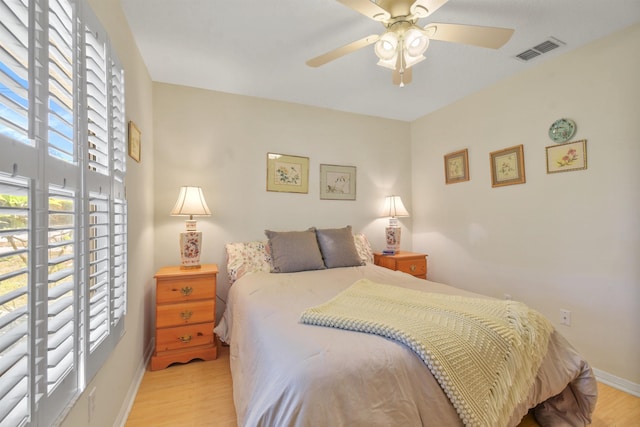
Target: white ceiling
(259, 48)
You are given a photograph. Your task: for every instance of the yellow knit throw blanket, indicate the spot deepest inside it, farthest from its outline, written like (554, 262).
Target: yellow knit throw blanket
(484, 353)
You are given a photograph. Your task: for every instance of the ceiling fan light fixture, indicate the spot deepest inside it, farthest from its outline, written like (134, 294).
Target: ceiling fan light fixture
(390, 63)
(416, 42)
(386, 48)
(410, 61)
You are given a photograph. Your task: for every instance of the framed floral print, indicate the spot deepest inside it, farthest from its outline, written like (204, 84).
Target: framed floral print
(289, 174)
(456, 167)
(567, 157)
(134, 142)
(337, 182)
(507, 166)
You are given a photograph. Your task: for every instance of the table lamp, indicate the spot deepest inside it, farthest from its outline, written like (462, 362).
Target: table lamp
(393, 208)
(190, 203)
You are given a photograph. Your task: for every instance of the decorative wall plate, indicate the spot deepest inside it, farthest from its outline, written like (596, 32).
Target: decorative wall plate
(562, 130)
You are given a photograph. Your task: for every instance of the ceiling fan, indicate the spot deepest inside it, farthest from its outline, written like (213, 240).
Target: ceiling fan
(403, 43)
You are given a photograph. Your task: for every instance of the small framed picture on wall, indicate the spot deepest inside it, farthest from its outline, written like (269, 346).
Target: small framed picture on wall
(571, 156)
(337, 182)
(134, 142)
(507, 166)
(456, 167)
(288, 174)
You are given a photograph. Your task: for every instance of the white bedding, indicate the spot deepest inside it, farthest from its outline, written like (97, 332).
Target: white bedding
(286, 373)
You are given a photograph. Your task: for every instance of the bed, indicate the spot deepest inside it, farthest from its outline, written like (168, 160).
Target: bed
(288, 373)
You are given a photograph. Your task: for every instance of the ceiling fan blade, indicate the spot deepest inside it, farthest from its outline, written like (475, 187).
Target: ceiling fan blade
(491, 37)
(424, 8)
(404, 78)
(341, 51)
(367, 8)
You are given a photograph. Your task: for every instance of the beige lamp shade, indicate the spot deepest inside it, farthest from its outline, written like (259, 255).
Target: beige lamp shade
(190, 203)
(394, 208)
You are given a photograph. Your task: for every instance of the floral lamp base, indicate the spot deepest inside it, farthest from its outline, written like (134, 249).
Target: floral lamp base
(393, 239)
(190, 247)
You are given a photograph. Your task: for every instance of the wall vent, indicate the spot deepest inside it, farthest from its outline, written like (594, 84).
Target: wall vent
(544, 47)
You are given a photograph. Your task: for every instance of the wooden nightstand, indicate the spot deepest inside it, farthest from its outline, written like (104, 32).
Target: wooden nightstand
(185, 315)
(409, 262)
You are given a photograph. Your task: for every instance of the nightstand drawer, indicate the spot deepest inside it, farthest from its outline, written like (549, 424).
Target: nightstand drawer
(415, 267)
(176, 290)
(184, 336)
(408, 262)
(184, 313)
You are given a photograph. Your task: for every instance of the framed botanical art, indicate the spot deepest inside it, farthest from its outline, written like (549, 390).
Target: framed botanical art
(134, 142)
(337, 182)
(289, 174)
(567, 157)
(507, 166)
(456, 167)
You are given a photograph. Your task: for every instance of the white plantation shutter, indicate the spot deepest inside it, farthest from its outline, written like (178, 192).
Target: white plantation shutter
(14, 70)
(15, 238)
(98, 277)
(105, 297)
(118, 126)
(119, 217)
(61, 85)
(119, 257)
(62, 201)
(61, 285)
(97, 107)
(98, 285)
(56, 330)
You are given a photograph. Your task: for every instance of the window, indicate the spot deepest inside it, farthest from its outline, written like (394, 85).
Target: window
(63, 211)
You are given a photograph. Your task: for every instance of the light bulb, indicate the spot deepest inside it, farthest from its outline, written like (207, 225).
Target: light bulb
(386, 47)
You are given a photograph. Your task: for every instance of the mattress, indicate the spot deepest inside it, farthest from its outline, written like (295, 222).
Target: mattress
(286, 373)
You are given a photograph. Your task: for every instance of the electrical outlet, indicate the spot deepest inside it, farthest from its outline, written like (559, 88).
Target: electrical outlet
(92, 402)
(565, 317)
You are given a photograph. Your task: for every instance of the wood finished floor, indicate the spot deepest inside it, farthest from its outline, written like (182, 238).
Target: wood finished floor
(200, 394)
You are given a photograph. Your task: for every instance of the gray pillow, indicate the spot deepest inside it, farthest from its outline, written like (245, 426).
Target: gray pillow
(338, 247)
(294, 251)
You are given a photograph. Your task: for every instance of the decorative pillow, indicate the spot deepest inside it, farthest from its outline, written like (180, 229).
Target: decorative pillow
(338, 247)
(364, 248)
(294, 251)
(244, 258)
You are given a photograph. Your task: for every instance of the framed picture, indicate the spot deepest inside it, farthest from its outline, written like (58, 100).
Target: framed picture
(571, 156)
(337, 182)
(456, 167)
(507, 166)
(289, 174)
(134, 142)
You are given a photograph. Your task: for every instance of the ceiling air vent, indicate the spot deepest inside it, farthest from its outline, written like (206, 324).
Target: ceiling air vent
(544, 47)
(528, 54)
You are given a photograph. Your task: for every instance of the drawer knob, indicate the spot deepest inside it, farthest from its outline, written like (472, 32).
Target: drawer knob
(186, 315)
(412, 267)
(185, 338)
(186, 291)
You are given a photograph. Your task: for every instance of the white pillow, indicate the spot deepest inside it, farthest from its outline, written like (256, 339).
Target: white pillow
(243, 258)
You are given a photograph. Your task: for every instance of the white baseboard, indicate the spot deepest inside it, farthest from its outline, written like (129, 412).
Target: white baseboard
(617, 382)
(135, 385)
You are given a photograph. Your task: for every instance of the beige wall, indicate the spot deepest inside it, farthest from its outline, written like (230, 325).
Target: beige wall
(567, 240)
(117, 380)
(220, 142)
